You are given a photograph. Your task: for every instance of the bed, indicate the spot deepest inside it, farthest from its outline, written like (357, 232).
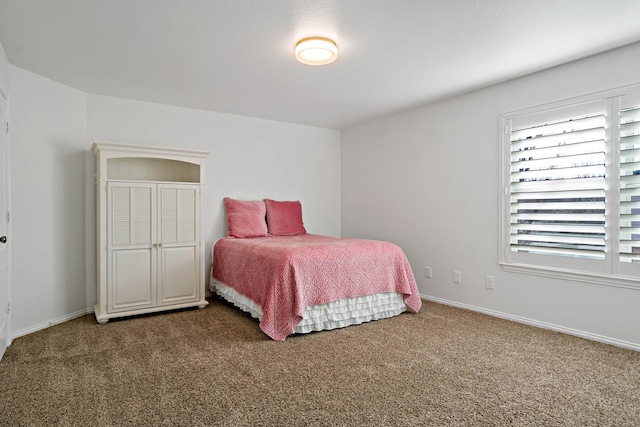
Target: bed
(305, 283)
(295, 282)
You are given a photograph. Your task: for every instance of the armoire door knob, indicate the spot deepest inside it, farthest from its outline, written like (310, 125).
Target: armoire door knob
(3, 239)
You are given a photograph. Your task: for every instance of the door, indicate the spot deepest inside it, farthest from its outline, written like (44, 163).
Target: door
(4, 236)
(179, 278)
(131, 246)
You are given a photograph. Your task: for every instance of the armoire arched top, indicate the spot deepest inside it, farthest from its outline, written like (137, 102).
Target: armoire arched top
(129, 162)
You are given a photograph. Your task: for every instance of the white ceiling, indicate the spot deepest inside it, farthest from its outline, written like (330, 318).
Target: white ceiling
(236, 56)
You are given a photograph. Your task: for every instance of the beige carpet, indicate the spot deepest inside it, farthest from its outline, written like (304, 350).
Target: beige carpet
(444, 366)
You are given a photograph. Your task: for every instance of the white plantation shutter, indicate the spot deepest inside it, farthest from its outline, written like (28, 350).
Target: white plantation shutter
(571, 189)
(629, 225)
(557, 183)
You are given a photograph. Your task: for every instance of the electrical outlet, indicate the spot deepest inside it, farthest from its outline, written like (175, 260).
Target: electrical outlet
(457, 277)
(428, 272)
(490, 282)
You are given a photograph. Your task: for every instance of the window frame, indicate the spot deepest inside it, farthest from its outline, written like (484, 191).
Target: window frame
(604, 272)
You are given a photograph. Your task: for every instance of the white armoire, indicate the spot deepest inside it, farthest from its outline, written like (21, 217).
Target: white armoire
(150, 252)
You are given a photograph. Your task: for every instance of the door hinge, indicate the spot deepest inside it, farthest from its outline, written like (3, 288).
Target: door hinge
(8, 217)
(6, 127)
(8, 307)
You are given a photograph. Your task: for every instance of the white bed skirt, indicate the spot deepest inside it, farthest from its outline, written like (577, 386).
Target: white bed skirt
(332, 315)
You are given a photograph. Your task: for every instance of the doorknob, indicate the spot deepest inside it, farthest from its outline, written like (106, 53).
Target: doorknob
(3, 239)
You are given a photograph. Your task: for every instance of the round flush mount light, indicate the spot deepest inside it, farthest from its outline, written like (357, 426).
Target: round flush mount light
(316, 51)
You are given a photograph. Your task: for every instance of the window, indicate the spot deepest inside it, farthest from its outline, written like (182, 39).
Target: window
(571, 189)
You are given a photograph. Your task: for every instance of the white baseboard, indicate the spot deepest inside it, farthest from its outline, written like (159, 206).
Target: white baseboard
(52, 322)
(537, 323)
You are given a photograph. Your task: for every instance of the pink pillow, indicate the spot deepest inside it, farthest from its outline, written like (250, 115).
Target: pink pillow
(284, 218)
(246, 218)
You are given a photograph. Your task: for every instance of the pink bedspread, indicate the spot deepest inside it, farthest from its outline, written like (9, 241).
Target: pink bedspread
(284, 274)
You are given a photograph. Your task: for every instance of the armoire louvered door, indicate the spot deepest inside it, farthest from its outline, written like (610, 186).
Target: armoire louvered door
(131, 279)
(153, 245)
(178, 245)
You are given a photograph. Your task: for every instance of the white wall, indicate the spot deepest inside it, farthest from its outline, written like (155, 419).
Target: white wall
(428, 179)
(53, 127)
(250, 159)
(48, 144)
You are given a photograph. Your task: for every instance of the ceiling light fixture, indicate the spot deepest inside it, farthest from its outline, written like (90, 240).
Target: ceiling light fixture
(316, 51)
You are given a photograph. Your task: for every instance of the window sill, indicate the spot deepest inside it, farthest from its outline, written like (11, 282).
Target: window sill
(558, 273)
